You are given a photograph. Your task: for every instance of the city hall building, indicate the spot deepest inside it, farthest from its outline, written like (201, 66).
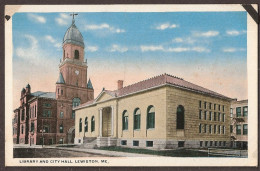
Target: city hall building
(161, 112)
(48, 117)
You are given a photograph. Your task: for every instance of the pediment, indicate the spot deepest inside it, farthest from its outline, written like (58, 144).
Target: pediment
(103, 96)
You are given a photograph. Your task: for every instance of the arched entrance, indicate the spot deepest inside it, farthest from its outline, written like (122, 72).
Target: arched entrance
(71, 135)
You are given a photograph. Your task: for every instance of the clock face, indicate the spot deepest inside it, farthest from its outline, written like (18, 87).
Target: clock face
(77, 72)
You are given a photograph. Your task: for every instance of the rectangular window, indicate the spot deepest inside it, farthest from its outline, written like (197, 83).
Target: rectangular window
(214, 106)
(245, 129)
(223, 129)
(210, 127)
(200, 104)
(210, 105)
(200, 114)
(46, 129)
(200, 128)
(205, 128)
(180, 143)
(32, 127)
(245, 112)
(219, 129)
(238, 111)
(46, 104)
(206, 143)
(79, 141)
(216, 143)
(211, 143)
(231, 112)
(219, 116)
(201, 143)
(210, 116)
(149, 143)
(136, 143)
(223, 117)
(205, 115)
(215, 129)
(231, 128)
(47, 113)
(218, 107)
(123, 142)
(215, 116)
(220, 142)
(61, 92)
(223, 108)
(238, 129)
(205, 105)
(224, 143)
(61, 114)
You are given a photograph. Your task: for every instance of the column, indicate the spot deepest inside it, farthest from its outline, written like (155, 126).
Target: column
(100, 122)
(112, 121)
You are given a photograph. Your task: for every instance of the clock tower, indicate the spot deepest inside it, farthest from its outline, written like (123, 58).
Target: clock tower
(72, 87)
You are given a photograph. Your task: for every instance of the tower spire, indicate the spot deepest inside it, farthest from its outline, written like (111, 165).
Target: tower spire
(73, 14)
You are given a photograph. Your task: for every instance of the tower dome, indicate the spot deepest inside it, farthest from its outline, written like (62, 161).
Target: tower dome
(73, 35)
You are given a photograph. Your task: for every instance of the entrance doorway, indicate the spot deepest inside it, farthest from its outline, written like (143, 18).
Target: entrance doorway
(106, 122)
(71, 135)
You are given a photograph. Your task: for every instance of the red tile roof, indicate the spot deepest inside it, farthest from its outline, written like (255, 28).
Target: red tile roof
(164, 79)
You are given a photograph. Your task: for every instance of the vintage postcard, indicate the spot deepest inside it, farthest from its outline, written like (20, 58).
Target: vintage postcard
(131, 85)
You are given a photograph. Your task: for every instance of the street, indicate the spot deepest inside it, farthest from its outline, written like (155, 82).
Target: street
(50, 153)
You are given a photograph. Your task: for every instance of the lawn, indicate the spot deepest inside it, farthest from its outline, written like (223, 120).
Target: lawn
(170, 153)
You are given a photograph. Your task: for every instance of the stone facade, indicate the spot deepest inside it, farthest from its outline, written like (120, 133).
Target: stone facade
(110, 107)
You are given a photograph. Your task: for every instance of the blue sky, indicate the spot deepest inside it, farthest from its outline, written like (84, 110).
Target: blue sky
(206, 48)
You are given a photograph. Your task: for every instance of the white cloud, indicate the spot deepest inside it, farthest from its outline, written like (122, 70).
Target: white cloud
(200, 49)
(151, 48)
(37, 18)
(235, 32)
(63, 19)
(178, 40)
(118, 48)
(166, 26)
(231, 50)
(91, 48)
(104, 26)
(178, 49)
(206, 34)
(53, 41)
(187, 40)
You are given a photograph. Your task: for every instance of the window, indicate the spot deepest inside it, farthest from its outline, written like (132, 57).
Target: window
(205, 115)
(206, 143)
(76, 102)
(231, 128)
(210, 116)
(22, 129)
(22, 115)
(46, 128)
(231, 112)
(223, 108)
(224, 143)
(61, 92)
(150, 117)
(149, 143)
(135, 143)
(47, 105)
(216, 143)
(79, 141)
(76, 54)
(61, 128)
(73, 114)
(200, 104)
(125, 120)
(210, 105)
(245, 129)
(80, 125)
(214, 106)
(32, 126)
(123, 142)
(205, 105)
(245, 112)
(200, 114)
(238, 129)
(223, 129)
(205, 128)
(61, 141)
(200, 128)
(47, 113)
(215, 116)
(223, 117)
(219, 116)
(210, 129)
(220, 142)
(219, 129)
(201, 143)
(215, 129)
(180, 143)
(92, 124)
(137, 118)
(238, 111)
(86, 124)
(61, 114)
(211, 143)
(218, 107)
(180, 117)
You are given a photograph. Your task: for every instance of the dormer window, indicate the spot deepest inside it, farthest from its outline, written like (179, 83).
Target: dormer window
(76, 54)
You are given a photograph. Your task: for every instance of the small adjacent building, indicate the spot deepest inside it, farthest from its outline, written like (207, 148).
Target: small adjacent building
(161, 112)
(239, 124)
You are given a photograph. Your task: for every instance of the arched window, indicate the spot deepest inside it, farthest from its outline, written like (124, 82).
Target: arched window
(92, 124)
(86, 124)
(80, 125)
(137, 118)
(125, 120)
(180, 117)
(76, 54)
(75, 102)
(61, 128)
(150, 117)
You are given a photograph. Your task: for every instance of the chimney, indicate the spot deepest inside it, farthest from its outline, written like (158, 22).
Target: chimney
(120, 84)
